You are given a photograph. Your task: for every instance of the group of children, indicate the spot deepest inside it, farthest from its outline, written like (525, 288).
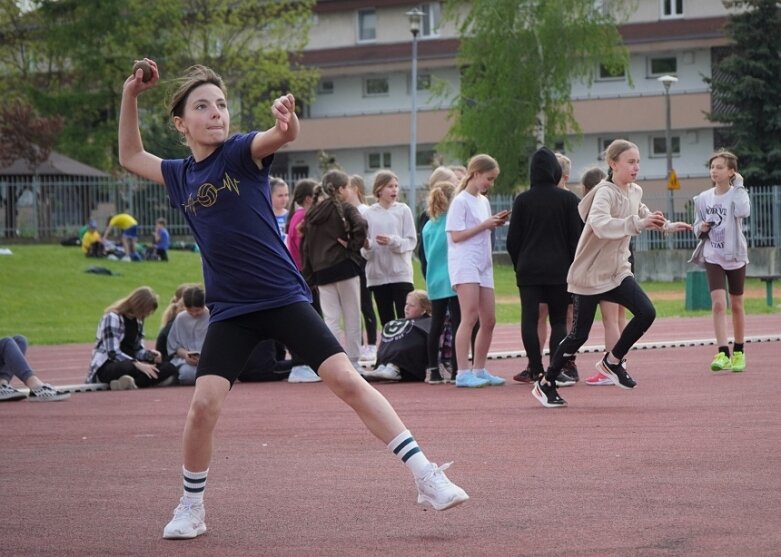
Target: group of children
(95, 244)
(255, 291)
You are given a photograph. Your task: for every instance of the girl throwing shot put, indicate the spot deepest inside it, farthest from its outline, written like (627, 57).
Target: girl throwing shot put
(253, 289)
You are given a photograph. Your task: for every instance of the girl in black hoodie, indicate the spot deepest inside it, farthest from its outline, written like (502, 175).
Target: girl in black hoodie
(544, 231)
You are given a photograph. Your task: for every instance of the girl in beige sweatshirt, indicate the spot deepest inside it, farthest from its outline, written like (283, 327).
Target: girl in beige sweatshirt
(613, 212)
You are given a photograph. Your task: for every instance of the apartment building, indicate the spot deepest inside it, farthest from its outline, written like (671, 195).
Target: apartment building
(361, 116)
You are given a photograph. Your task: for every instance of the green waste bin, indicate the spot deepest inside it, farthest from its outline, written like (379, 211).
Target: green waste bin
(697, 292)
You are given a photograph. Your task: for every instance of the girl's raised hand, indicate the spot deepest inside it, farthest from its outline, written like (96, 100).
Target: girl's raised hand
(135, 84)
(283, 109)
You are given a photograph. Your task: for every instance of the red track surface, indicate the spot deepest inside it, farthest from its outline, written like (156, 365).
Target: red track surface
(686, 464)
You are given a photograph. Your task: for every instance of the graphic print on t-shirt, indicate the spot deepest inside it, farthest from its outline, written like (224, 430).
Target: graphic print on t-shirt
(714, 215)
(207, 194)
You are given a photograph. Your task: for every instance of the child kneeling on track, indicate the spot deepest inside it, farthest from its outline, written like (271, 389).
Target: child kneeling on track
(403, 355)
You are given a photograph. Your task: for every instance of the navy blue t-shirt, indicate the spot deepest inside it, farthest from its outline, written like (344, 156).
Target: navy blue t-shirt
(226, 201)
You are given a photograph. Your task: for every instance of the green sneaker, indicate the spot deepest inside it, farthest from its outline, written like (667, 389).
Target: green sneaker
(738, 362)
(721, 362)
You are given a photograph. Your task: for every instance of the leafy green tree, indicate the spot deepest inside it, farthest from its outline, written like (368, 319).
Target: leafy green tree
(520, 59)
(80, 52)
(745, 89)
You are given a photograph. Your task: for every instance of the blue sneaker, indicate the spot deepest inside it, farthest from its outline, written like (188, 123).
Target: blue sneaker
(493, 380)
(469, 379)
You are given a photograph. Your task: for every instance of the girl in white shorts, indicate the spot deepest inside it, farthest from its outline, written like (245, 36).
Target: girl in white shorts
(469, 226)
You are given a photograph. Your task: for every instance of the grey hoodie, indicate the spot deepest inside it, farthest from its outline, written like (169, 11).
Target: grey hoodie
(612, 216)
(739, 207)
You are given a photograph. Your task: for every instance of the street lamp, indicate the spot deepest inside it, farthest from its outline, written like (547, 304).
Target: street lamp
(668, 80)
(415, 18)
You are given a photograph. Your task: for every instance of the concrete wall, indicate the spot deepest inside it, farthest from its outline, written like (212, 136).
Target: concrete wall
(668, 265)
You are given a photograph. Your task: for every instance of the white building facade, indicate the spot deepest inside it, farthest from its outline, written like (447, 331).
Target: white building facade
(361, 116)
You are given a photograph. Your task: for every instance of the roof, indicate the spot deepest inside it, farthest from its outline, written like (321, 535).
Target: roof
(56, 165)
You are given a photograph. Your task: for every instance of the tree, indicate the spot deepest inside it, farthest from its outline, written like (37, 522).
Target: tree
(82, 51)
(520, 59)
(25, 135)
(745, 90)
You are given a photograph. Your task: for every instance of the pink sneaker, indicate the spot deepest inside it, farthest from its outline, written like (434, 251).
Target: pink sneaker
(599, 379)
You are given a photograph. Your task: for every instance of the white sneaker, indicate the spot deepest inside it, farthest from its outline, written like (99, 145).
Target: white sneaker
(187, 522)
(303, 374)
(385, 372)
(8, 393)
(437, 491)
(368, 353)
(124, 383)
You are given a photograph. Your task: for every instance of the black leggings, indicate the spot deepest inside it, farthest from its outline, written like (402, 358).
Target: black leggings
(628, 294)
(114, 370)
(367, 310)
(390, 299)
(439, 309)
(557, 298)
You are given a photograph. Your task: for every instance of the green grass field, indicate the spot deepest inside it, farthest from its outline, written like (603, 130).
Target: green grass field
(46, 294)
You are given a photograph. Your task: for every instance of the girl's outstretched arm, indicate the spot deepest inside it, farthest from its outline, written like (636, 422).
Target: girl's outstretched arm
(284, 131)
(132, 155)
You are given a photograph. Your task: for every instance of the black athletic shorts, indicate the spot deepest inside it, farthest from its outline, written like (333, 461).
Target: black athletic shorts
(229, 343)
(718, 278)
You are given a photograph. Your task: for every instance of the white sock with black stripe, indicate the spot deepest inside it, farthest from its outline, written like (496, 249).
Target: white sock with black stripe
(194, 484)
(406, 448)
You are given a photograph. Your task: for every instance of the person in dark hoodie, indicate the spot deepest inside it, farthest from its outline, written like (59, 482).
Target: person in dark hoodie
(545, 227)
(334, 232)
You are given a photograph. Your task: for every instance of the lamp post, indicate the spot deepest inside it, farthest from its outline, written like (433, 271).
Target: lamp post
(415, 18)
(668, 80)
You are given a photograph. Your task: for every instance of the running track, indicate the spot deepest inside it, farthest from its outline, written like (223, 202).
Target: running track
(686, 464)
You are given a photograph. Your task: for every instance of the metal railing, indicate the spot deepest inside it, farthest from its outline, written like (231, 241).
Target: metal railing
(762, 229)
(49, 208)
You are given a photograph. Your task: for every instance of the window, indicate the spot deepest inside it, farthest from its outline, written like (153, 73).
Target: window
(425, 158)
(602, 145)
(672, 8)
(424, 82)
(367, 25)
(376, 161)
(610, 74)
(601, 8)
(662, 66)
(375, 86)
(429, 27)
(659, 146)
(325, 87)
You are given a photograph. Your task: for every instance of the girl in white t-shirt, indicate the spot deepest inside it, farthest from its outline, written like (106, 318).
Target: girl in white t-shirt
(718, 223)
(469, 225)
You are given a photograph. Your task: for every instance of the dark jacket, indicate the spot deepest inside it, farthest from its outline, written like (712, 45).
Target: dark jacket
(404, 344)
(544, 226)
(324, 259)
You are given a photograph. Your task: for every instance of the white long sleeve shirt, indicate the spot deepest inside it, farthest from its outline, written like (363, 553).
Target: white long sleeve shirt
(391, 263)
